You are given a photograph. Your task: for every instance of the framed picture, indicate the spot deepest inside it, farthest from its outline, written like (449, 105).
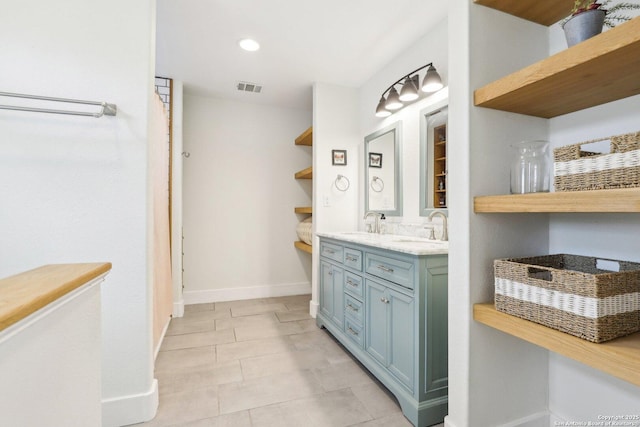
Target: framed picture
(375, 160)
(339, 157)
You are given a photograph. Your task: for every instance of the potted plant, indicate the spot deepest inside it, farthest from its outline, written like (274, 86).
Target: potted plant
(588, 18)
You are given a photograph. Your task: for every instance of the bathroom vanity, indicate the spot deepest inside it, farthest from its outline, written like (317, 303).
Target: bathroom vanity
(384, 297)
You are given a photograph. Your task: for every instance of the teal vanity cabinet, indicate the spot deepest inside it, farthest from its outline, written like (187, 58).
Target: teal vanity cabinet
(331, 306)
(390, 335)
(332, 279)
(393, 320)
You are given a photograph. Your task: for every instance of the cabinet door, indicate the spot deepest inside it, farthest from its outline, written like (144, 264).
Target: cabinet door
(376, 332)
(338, 297)
(435, 339)
(326, 289)
(331, 293)
(402, 338)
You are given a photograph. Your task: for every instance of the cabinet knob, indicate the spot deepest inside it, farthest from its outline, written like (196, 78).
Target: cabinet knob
(384, 300)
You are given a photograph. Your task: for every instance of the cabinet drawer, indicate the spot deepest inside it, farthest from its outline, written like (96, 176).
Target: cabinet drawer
(331, 251)
(353, 259)
(353, 284)
(354, 332)
(353, 308)
(391, 269)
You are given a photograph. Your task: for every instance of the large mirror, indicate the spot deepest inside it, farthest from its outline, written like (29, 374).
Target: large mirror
(383, 192)
(433, 158)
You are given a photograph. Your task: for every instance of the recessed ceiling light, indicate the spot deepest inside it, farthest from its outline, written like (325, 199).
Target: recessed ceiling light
(249, 45)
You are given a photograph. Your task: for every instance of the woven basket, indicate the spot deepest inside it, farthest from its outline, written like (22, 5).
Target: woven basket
(576, 170)
(571, 294)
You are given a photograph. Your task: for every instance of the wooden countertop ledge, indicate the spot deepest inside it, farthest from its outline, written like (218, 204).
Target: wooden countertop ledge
(26, 293)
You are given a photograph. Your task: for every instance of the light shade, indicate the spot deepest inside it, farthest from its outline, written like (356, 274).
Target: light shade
(381, 111)
(432, 81)
(409, 90)
(393, 100)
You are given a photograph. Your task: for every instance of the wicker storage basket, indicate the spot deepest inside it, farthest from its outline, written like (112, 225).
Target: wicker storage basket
(571, 294)
(574, 169)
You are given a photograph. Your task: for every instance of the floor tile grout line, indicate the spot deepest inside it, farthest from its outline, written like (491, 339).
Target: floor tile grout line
(304, 329)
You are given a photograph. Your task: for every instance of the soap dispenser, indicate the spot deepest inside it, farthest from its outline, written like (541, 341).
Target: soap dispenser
(383, 224)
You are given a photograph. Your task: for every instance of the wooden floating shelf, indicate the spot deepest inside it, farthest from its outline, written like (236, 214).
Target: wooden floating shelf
(303, 246)
(610, 201)
(602, 69)
(545, 12)
(305, 138)
(618, 357)
(305, 173)
(304, 210)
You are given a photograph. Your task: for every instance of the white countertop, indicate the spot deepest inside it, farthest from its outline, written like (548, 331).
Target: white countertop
(407, 244)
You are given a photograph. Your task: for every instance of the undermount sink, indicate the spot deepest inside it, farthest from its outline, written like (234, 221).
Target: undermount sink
(418, 240)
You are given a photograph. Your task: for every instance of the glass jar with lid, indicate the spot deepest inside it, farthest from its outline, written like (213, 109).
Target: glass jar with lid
(530, 168)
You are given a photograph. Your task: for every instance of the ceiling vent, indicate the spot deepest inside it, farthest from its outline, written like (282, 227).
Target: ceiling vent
(249, 87)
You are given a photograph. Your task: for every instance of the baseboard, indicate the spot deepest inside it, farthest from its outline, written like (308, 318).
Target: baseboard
(253, 292)
(448, 422)
(164, 332)
(541, 419)
(178, 308)
(133, 409)
(313, 308)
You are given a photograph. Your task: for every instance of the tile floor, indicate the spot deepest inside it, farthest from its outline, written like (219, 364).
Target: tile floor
(263, 363)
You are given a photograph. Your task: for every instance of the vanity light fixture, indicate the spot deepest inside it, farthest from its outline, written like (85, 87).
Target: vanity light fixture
(409, 92)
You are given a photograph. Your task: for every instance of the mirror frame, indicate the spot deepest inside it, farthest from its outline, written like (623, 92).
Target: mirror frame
(424, 209)
(396, 128)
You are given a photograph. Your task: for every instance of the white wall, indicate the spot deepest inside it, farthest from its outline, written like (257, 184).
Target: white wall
(494, 379)
(334, 128)
(432, 47)
(176, 197)
(577, 392)
(239, 196)
(74, 189)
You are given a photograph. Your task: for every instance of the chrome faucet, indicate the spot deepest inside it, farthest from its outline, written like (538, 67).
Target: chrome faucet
(445, 235)
(376, 228)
